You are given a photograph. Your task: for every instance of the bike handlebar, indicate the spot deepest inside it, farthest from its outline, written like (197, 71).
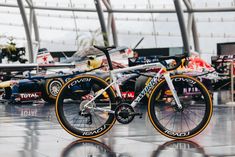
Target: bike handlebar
(177, 58)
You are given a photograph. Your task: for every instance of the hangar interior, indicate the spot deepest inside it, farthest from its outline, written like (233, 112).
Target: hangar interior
(47, 52)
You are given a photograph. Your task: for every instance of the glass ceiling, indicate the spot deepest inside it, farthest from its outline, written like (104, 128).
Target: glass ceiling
(63, 30)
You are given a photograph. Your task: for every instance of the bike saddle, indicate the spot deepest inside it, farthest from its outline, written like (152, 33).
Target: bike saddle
(111, 49)
(104, 48)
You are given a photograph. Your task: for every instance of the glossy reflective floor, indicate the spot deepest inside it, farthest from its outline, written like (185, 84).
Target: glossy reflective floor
(33, 131)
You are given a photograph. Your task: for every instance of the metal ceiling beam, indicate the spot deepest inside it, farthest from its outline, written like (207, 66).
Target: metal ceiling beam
(190, 17)
(35, 27)
(140, 10)
(110, 15)
(200, 10)
(111, 22)
(27, 30)
(33, 22)
(106, 4)
(194, 31)
(189, 26)
(195, 36)
(192, 26)
(29, 3)
(102, 22)
(195, 10)
(183, 29)
(187, 4)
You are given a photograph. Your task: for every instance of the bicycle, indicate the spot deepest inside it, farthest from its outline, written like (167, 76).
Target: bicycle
(172, 107)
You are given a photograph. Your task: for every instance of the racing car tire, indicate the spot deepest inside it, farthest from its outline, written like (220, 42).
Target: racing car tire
(7, 93)
(50, 89)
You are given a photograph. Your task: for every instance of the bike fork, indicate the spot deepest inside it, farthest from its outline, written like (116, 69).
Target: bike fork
(172, 88)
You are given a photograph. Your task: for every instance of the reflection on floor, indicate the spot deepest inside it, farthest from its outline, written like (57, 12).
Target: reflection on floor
(33, 131)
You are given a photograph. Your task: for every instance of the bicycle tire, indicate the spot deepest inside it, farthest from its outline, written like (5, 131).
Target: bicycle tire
(87, 147)
(86, 84)
(179, 148)
(164, 104)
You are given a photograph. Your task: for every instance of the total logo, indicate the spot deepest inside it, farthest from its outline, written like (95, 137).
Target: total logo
(28, 112)
(29, 96)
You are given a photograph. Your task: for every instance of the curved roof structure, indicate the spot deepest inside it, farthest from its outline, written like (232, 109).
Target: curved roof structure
(69, 24)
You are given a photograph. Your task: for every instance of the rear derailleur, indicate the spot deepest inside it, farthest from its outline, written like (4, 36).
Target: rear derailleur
(85, 112)
(86, 115)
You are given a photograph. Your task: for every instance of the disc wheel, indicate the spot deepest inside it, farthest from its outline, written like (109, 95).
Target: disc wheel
(174, 122)
(78, 119)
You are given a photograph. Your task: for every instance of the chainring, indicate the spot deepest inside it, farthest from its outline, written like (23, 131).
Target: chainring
(124, 113)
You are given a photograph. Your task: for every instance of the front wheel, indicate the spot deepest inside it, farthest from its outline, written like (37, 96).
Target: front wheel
(186, 122)
(79, 117)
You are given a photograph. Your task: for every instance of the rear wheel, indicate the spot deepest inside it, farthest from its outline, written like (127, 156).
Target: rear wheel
(78, 119)
(183, 123)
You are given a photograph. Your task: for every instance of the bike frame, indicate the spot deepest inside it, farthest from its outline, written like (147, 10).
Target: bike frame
(115, 81)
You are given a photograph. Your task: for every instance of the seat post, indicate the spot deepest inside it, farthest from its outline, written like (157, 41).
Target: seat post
(109, 60)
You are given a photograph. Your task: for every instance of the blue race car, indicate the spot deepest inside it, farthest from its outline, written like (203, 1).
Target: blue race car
(31, 88)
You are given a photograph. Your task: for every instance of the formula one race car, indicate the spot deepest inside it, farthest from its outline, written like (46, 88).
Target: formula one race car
(222, 65)
(196, 67)
(47, 87)
(22, 89)
(33, 88)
